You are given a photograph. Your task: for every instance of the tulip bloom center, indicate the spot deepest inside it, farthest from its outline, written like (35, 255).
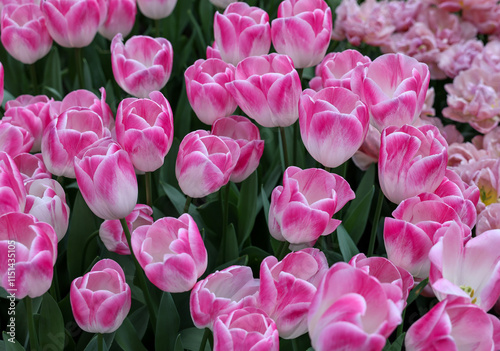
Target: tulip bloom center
(469, 291)
(488, 195)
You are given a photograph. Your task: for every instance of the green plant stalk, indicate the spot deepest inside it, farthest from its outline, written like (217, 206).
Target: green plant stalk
(283, 145)
(282, 250)
(34, 80)
(141, 276)
(86, 246)
(186, 205)
(378, 210)
(100, 342)
(79, 66)
(157, 27)
(206, 334)
(31, 324)
(149, 189)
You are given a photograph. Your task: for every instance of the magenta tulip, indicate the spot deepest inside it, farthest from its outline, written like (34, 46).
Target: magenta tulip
(101, 299)
(12, 191)
(14, 139)
(87, 99)
(142, 65)
(267, 88)
(156, 9)
(31, 167)
(242, 31)
(120, 18)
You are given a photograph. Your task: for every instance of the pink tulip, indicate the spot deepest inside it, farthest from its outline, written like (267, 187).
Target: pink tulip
(112, 234)
(14, 139)
(247, 135)
(68, 135)
(107, 180)
(1, 81)
(205, 163)
(35, 248)
(242, 31)
(488, 219)
(393, 87)
(213, 52)
(452, 324)
(46, 201)
(31, 167)
(369, 151)
(245, 329)
(302, 208)
(412, 161)
(471, 271)
(302, 31)
(171, 252)
(267, 88)
(100, 300)
(206, 91)
(87, 99)
(73, 24)
(221, 293)
(24, 34)
(156, 9)
(351, 310)
(120, 18)
(332, 119)
(145, 129)
(142, 65)
(12, 191)
(287, 288)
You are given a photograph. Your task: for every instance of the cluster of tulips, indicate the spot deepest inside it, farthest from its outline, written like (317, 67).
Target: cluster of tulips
(437, 241)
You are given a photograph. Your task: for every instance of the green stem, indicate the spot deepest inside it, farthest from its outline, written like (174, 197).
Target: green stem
(295, 146)
(86, 246)
(206, 334)
(400, 327)
(140, 275)
(54, 287)
(295, 345)
(157, 25)
(100, 342)
(149, 189)
(79, 66)
(60, 180)
(31, 323)
(282, 250)
(34, 80)
(373, 236)
(186, 205)
(283, 145)
(328, 169)
(225, 214)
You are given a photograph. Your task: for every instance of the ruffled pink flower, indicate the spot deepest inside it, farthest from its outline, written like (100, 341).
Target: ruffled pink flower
(458, 57)
(488, 219)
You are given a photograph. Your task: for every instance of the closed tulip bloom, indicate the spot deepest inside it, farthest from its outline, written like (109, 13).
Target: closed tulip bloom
(337, 68)
(101, 299)
(205, 163)
(1, 81)
(142, 65)
(171, 252)
(303, 31)
(333, 124)
(31, 166)
(112, 234)
(221, 293)
(206, 91)
(68, 135)
(72, 24)
(242, 31)
(245, 329)
(106, 178)
(24, 34)
(247, 135)
(87, 99)
(287, 288)
(120, 18)
(156, 9)
(393, 87)
(411, 161)
(145, 129)
(35, 254)
(302, 208)
(12, 191)
(267, 88)
(14, 139)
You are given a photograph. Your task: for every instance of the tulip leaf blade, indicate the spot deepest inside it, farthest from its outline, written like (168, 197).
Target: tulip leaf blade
(11, 346)
(397, 345)
(191, 339)
(167, 327)
(347, 247)
(247, 207)
(415, 292)
(52, 79)
(357, 215)
(178, 344)
(265, 203)
(231, 250)
(127, 338)
(51, 324)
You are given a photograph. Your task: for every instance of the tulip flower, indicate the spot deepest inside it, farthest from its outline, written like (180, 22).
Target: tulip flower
(24, 34)
(14, 139)
(221, 293)
(142, 65)
(204, 163)
(302, 31)
(156, 9)
(145, 129)
(245, 329)
(120, 18)
(332, 119)
(411, 161)
(171, 252)
(242, 31)
(101, 299)
(247, 135)
(1, 81)
(87, 99)
(12, 191)
(35, 246)
(106, 178)
(31, 166)
(267, 88)
(302, 208)
(206, 91)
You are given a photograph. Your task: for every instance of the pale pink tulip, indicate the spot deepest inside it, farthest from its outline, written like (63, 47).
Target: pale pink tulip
(12, 191)
(24, 34)
(267, 88)
(120, 18)
(332, 119)
(488, 219)
(484, 19)
(142, 65)
(242, 31)
(87, 99)
(459, 57)
(171, 252)
(247, 135)
(101, 299)
(301, 209)
(31, 167)
(156, 9)
(206, 91)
